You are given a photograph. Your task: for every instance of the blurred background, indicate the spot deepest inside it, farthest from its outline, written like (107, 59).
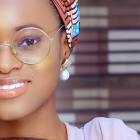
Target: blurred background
(105, 70)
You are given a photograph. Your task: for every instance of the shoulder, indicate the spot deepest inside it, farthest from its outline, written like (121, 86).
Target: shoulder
(102, 128)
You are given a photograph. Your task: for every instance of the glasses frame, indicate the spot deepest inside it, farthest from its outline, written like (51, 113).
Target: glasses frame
(50, 40)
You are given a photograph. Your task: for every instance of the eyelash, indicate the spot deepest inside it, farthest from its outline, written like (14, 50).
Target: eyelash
(27, 39)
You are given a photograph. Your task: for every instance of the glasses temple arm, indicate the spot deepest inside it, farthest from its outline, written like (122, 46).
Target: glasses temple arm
(57, 31)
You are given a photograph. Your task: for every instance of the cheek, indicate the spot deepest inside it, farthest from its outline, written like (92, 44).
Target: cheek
(46, 73)
(46, 76)
(49, 69)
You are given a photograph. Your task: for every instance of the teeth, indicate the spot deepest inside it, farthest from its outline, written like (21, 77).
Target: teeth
(17, 85)
(21, 84)
(5, 87)
(12, 86)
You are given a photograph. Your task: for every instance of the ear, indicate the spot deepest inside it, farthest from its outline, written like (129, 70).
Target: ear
(64, 48)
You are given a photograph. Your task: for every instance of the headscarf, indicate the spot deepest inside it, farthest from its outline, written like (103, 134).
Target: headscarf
(69, 12)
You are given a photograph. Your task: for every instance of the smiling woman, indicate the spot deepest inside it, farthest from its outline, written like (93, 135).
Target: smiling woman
(37, 37)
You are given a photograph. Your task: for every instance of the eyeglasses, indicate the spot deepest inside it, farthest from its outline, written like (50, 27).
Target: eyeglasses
(31, 45)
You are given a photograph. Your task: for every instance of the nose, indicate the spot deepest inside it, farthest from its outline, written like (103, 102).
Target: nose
(8, 61)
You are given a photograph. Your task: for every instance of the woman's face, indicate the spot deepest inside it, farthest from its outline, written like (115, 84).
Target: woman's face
(42, 78)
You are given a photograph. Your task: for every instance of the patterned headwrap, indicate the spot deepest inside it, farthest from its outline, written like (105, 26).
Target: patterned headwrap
(69, 12)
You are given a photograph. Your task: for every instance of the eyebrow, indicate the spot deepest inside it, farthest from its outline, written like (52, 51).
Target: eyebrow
(26, 26)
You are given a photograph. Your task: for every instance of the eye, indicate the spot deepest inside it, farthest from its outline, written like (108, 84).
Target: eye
(29, 42)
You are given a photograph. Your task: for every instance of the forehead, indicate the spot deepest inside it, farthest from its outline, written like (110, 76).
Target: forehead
(15, 13)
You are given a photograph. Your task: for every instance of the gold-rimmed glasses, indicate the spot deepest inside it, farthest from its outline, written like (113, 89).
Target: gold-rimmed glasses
(31, 45)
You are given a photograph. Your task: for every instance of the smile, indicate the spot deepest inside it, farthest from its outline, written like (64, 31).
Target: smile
(13, 86)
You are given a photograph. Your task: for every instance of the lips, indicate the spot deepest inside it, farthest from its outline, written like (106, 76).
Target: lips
(12, 87)
(11, 81)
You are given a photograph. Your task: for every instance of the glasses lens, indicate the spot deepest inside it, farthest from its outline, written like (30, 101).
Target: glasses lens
(31, 45)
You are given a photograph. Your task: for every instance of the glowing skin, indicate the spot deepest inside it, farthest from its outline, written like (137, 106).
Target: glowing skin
(32, 114)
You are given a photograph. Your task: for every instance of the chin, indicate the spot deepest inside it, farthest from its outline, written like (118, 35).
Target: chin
(14, 112)
(12, 115)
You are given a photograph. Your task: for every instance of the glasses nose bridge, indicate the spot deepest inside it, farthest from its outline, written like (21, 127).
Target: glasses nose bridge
(5, 45)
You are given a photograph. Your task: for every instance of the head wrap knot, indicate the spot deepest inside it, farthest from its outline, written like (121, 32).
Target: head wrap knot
(69, 12)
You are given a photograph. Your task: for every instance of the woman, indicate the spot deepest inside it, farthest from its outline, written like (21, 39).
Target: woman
(34, 46)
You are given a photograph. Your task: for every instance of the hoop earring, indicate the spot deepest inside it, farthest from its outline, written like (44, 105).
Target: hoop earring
(64, 74)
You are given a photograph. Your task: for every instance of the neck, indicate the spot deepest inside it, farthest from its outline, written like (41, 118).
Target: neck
(42, 124)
